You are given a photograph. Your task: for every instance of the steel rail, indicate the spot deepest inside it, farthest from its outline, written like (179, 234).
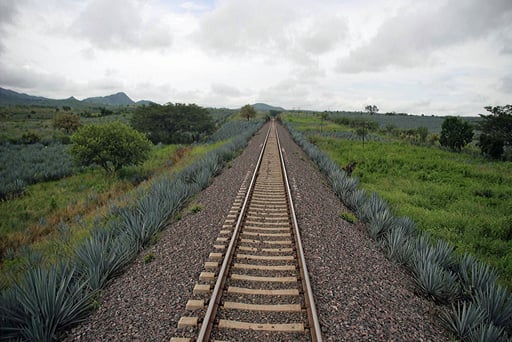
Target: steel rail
(211, 311)
(315, 330)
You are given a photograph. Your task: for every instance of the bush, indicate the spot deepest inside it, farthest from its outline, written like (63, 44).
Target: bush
(68, 122)
(455, 133)
(111, 146)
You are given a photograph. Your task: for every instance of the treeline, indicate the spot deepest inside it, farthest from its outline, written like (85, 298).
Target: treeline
(492, 133)
(173, 123)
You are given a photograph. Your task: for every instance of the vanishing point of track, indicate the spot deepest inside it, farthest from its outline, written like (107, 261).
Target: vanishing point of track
(256, 285)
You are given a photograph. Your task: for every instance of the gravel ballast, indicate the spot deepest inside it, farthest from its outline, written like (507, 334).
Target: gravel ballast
(360, 295)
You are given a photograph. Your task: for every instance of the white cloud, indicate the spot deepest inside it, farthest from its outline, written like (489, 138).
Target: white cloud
(194, 6)
(118, 24)
(225, 90)
(282, 29)
(433, 57)
(8, 15)
(411, 37)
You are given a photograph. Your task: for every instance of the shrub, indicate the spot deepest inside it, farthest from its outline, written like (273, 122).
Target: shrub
(111, 146)
(67, 122)
(349, 217)
(30, 138)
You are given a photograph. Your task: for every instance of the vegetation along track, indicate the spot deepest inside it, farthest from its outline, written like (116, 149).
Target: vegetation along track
(256, 284)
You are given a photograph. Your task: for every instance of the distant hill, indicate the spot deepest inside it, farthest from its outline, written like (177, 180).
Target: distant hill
(119, 99)
(263, 107)
(144, 103)
(12, 98)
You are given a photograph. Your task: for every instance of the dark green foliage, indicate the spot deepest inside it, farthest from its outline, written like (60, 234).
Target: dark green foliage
(455, 133)
(173, 123)
(30, 138)
(111, 146)
(371, 109)
(496, 130)
(247, 112)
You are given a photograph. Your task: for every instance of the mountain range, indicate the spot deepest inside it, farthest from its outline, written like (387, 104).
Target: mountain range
(10, 97)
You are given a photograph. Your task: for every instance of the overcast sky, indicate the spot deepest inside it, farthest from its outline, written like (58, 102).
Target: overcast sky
(443, 57)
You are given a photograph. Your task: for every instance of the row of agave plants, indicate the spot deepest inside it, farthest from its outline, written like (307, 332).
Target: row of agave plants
(50, 299)
(479, 308)
(21, 165)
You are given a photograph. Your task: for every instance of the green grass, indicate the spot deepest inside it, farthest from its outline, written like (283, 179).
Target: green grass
(463, 199)
(73, 202)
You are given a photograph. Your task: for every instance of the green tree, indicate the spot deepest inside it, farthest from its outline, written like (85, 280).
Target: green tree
(247, 112)
(111, 146)
(455, 133)
(173, 123)
(67, 122)
(496, 130)
(370, 109)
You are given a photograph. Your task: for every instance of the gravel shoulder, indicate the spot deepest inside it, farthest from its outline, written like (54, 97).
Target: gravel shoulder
(360, 295)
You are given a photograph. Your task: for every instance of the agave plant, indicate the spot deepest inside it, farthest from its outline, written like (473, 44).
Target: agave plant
(355, 200)
(487, 332)
(46, 301)
(463, 319)
(496, 302)
(408, 225)
(399, 246)
(373, 207)
(380, 223)
(433, 282)
(343, 185)
(475, 275)
(101, 257)
(441, 253)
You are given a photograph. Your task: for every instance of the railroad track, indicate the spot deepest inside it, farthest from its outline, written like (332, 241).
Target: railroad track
(255, 285)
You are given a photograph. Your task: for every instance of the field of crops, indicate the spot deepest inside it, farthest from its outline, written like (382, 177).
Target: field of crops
(465, 200)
